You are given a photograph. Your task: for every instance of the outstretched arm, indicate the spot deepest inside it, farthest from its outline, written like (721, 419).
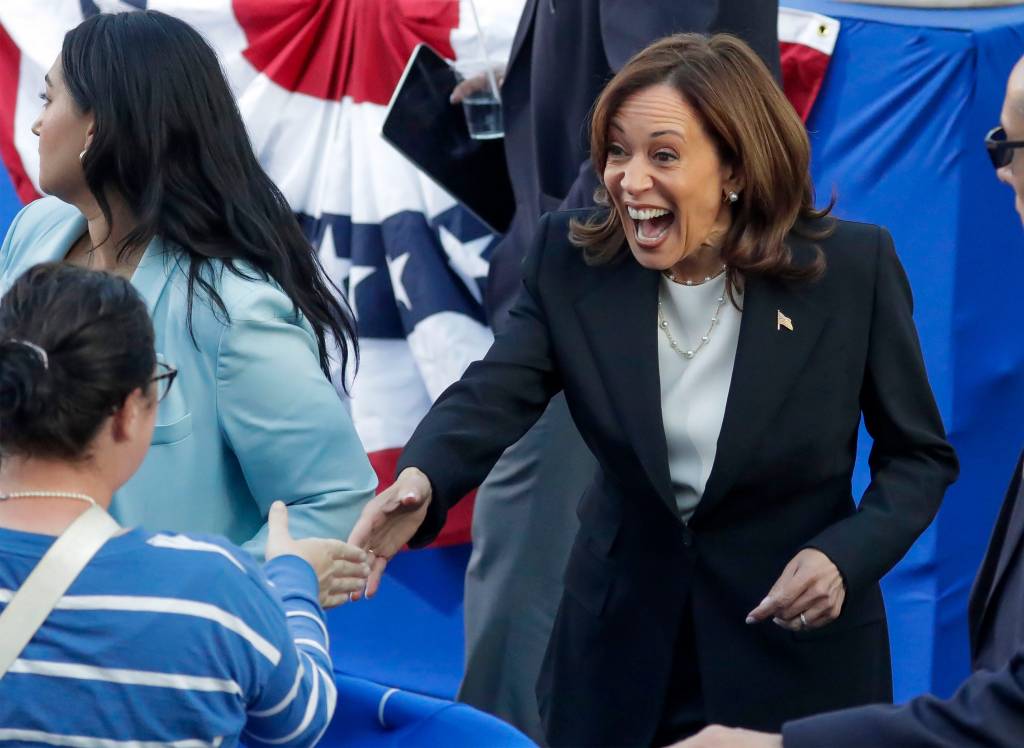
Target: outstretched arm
(495, 402)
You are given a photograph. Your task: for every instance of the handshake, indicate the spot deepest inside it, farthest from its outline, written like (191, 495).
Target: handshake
(342, 569)
(345, 570)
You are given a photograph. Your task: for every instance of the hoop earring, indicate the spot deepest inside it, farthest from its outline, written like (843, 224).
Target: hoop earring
(81, 156)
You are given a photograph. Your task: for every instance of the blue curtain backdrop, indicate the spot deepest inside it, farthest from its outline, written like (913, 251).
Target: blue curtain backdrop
(9, 203)
(897, 133)
(897, 136)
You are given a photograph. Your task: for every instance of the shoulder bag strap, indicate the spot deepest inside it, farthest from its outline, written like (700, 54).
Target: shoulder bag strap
(50, 579)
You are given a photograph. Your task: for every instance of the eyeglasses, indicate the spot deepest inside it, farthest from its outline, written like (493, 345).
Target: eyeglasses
(163, 379)
(1000, 150)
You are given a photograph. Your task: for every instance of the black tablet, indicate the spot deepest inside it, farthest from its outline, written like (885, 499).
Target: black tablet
(431, 132)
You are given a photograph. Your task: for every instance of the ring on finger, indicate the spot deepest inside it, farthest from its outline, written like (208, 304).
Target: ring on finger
(803, 621)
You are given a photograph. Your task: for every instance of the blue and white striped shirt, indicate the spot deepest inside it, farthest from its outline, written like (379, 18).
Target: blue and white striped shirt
(169, 639)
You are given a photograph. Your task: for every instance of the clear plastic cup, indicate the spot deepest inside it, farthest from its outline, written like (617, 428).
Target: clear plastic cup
(482, 105)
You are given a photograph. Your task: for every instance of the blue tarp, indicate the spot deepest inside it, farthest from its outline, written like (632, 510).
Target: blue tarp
(9, 203)
(369, 715)
(409, 635)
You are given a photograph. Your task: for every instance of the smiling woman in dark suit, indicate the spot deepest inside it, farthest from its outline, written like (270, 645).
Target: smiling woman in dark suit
(718, 340)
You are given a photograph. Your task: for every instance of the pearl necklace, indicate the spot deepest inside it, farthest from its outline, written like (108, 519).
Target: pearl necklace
(690, 352)
(672, 277)
(48, 495)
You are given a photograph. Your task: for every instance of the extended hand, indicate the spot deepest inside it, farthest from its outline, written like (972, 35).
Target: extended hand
(717, 736)
(810, 584)
(389, 520)
(341, 568)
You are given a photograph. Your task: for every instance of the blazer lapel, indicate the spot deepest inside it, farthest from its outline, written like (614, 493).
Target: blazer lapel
(769, 356)
(153, 273)
(620, 319)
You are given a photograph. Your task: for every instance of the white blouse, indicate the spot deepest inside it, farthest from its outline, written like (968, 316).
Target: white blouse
(694, 390)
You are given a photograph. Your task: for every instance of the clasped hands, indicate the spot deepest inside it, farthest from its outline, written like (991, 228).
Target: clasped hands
(341, 568)
(388, 522)
(350, 570)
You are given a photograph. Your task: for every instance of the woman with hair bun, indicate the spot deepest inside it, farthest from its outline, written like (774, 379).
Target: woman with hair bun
(153, 178)
(718, 340)
(162, 638)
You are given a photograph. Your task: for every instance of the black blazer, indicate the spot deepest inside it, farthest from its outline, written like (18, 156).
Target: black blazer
(987, 608)
(780, 482)
(563, 53)
(988, 708)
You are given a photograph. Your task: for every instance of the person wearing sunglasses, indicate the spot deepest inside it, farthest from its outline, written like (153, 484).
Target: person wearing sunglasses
(150, 174)
(158, 638)
(988, 708)
(1000, 148)
(1003, 149)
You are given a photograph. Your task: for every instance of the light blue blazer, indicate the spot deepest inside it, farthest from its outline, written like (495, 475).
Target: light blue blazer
(250, 418)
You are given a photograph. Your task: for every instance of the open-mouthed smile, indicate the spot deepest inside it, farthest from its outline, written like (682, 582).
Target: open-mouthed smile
(650, 225)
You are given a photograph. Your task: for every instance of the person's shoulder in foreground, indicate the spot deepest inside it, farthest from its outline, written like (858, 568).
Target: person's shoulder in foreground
(841, 239)
(203, 643)
(281, 646)
(987, 710)
(29, 233)
(39, 217)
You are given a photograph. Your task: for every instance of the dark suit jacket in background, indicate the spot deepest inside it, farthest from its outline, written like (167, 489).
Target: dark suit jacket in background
(781, 481)
(557, 68)
(988, 709)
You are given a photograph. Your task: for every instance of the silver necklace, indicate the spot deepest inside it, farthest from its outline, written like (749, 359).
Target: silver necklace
(707, 278)
(689, 353)
(48, 495)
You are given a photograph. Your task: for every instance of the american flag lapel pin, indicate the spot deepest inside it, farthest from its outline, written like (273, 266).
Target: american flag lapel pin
(781, 320)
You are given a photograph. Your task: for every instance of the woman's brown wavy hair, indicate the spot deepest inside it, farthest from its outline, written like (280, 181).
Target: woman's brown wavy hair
(754, 129)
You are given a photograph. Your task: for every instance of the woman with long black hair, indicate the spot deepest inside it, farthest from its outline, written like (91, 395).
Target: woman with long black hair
(153, 177)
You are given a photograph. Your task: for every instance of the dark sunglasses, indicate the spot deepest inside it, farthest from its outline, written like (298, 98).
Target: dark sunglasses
(1000, 150)
(164, 378)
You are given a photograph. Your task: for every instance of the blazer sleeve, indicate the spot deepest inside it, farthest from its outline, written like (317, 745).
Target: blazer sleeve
(911, 462)
(495, 402)
(987, 709)
(288, 428)
(292, 702)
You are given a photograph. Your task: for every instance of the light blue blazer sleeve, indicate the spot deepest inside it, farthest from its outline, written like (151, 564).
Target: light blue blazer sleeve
(285, 422)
